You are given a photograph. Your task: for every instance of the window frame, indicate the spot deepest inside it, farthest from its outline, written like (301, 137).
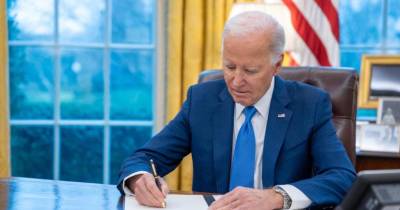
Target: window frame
(158, 105)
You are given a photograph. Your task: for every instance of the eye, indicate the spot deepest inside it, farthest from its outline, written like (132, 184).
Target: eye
(250, 71)
(230, 67)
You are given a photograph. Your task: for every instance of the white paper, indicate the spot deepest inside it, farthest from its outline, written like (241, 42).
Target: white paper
(174, 201)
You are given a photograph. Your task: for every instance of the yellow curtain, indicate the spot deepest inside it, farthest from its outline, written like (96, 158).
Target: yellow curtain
(4, 130)
(194, 42)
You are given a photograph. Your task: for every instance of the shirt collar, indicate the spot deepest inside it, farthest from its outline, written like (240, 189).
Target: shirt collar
(261, 105)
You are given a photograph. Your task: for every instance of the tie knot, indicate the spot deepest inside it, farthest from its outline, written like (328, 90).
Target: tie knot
(249, 112)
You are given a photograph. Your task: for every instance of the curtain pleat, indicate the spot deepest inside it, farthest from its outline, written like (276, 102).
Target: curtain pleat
(4, 128)
(194, 44)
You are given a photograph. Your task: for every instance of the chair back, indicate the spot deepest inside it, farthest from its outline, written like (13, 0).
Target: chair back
(340, 83)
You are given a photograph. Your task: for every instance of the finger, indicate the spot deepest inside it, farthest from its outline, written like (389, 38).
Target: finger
(225, 201)
(225, 208)
(154, 191)
(235, 204)
(164, 187)
(145, 194)
(234, 198)
(245, 199)
(217, 204)
(144, 198)
(222, 202)
(247, 206)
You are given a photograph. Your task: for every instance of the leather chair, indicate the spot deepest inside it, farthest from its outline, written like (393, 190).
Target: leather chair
(340, 83)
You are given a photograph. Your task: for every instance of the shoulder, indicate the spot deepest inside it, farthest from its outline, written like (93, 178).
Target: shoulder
(214, 84)
(208, 89)
(299, 91)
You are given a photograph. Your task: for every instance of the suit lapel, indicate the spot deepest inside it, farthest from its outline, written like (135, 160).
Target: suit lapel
(222, 143)
(278, 121)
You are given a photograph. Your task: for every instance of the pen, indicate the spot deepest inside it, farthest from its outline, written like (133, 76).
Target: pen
(157, 178)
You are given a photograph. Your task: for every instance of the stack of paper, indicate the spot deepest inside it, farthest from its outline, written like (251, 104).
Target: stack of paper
(174, 201)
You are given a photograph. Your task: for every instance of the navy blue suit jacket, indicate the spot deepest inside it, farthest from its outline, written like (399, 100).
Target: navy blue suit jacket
(301, 148)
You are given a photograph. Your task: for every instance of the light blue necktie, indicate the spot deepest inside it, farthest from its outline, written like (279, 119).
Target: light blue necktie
(243, 162)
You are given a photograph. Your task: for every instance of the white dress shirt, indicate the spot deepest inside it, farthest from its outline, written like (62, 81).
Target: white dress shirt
(259, 122)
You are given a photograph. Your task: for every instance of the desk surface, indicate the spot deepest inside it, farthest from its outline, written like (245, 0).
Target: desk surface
(26, 193)
(378, 154)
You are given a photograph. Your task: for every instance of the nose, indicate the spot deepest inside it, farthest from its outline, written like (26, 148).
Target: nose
(238, 79)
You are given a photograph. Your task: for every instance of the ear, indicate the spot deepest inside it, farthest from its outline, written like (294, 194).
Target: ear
(278, 64)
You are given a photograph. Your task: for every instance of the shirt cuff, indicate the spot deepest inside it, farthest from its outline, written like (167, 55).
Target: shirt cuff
(127, 191)
(299, 199)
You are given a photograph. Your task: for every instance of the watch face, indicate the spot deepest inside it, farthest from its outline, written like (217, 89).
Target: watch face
(289, 202)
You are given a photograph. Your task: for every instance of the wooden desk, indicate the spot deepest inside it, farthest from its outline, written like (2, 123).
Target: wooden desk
(38, 194)
(377, 160)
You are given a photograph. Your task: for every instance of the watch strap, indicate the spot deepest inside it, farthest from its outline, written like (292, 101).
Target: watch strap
(287, 201)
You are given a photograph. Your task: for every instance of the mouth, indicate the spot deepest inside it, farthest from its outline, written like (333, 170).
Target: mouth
(239, 93)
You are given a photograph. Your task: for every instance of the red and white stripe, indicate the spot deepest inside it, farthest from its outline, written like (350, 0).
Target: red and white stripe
(316, 23)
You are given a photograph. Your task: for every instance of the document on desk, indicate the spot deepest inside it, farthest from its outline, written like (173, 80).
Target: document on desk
(174, 201)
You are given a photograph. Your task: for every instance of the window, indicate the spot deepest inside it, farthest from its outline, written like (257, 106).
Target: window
(82, 76)
(368, 27)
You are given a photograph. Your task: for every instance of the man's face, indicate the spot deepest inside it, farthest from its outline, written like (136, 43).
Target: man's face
(248, 69)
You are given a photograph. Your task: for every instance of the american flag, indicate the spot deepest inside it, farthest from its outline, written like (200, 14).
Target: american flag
(311, 28)
(316, 38)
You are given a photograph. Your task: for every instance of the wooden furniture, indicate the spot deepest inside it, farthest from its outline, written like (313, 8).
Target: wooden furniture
(377, 160)
(38, 194)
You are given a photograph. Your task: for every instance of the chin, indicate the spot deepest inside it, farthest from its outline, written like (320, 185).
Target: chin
(243, 102)
(246, 104)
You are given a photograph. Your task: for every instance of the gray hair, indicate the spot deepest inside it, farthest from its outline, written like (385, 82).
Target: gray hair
(255, 21)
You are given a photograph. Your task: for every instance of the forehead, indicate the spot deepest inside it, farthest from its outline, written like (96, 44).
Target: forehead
(245, 49)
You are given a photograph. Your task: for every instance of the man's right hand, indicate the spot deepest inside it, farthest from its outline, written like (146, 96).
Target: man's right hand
(146, 191)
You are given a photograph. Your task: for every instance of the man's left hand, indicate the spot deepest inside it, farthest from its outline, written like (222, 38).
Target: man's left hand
(247, 198)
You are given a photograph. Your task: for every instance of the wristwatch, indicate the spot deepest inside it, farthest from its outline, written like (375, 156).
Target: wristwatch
(287, 201)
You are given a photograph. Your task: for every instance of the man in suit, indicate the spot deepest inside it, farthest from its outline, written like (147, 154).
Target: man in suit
(265, 142)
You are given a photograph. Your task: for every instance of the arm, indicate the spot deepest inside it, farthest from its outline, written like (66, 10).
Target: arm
(333, 170)
(167, 148)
